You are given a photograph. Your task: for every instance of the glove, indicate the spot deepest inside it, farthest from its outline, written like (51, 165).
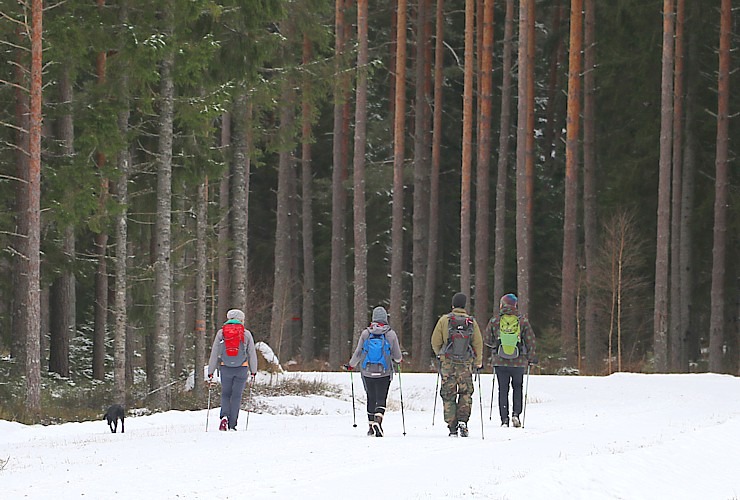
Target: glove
(210, 381)
(533, 361)
(348, 367)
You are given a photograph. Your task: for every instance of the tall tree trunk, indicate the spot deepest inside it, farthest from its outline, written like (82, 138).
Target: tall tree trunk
(556, 57)
(719, 243)
(432, 250)
(19, 327)
(162, 285)
(420, 224)
(676, 341)
(523, 223)
(660, 318)
(399, 150)
(179, 284)
(120, 305)
(32, 263)
(201, 267)
(503, 157)
(224, 228)
(360, 221)
(687, 209)
(308, 346)
(483, 192)
(239, 203)
(282, 297)
(594, 351)
(337, 334)
(570, 225)
(467, 148)
(101, 248)
(62, 320)
(529, 154)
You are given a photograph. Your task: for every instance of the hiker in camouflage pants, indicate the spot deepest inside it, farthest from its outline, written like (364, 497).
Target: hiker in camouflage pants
(457, 378)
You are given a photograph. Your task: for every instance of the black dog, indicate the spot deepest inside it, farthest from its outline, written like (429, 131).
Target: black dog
(114, 413)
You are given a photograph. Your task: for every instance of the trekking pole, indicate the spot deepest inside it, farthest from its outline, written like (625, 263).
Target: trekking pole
(208, 413)
(526, 389)
(436, 389)
(400, 388)
(480, 403)
(352, 383)
(493, 385)
(249, 401)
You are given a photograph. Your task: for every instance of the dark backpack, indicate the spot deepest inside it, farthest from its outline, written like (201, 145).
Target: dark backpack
(509, 336)
(377, 351)
(460, 334)
(234, 347)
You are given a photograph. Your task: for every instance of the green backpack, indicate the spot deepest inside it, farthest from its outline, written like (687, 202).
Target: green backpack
(509, 336)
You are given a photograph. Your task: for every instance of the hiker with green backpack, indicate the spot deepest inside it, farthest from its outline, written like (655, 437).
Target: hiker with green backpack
(513, 344)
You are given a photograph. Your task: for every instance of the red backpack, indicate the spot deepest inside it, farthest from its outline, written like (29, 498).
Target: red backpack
(234, 350)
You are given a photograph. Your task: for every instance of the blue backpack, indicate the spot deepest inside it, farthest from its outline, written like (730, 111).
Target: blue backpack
(377, 352)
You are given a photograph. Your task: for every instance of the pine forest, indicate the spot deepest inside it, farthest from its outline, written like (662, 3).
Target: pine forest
(308, 160)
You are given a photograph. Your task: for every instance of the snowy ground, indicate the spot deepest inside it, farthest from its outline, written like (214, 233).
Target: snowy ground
(626, 436)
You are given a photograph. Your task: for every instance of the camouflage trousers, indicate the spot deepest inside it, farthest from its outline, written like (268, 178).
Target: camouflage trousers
(456, 391)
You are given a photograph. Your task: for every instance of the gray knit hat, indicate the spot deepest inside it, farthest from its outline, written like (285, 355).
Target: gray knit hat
(380, 315)
(236, 314)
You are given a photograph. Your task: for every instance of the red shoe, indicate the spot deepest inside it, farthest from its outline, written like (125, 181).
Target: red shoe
(224, 424)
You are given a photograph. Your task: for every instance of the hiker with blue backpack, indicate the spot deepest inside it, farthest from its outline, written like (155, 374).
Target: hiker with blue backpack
(458, 344)
(377, 349)
(513, 345)
(234, 354)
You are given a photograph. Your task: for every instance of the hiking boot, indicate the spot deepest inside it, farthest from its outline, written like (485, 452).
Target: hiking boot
(463, 428)
(505, 423)
(515, 421)
(453, 429)
(371, 431)
(224, 424)
(379, 422)
(377, 429)
(232, 429)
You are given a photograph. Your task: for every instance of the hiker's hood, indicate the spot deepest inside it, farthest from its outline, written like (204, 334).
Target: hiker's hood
(508, 309)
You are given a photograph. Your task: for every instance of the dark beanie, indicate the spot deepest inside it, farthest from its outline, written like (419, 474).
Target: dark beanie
(459, 300)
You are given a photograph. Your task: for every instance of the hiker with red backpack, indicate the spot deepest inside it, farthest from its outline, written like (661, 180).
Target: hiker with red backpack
(458, 344)
(513, 345)
(377, 349)
(234, 354)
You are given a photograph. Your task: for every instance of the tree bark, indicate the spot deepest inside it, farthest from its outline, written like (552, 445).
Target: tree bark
(224, 228)
(420, 224)
(239, 204)
(503, 158)
(308, 347)
(569, 288)
(360, 221)
(282, 297)
(593, 341)
(660, 317)
(162, 274)
(523, 222)
(337, 334)
(62, 301)
(719, 243)
(399, 150)
(201, 267)
(467, 148)
(32, 263)
(676, 340)
(483, 192)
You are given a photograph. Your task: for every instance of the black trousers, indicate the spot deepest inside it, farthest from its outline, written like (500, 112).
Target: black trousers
(377, 394)
(514, 376)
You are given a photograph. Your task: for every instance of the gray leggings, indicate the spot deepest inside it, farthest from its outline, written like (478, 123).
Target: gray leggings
(233, 381)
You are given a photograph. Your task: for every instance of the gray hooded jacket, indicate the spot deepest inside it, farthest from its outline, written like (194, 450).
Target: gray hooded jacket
(359, 356)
